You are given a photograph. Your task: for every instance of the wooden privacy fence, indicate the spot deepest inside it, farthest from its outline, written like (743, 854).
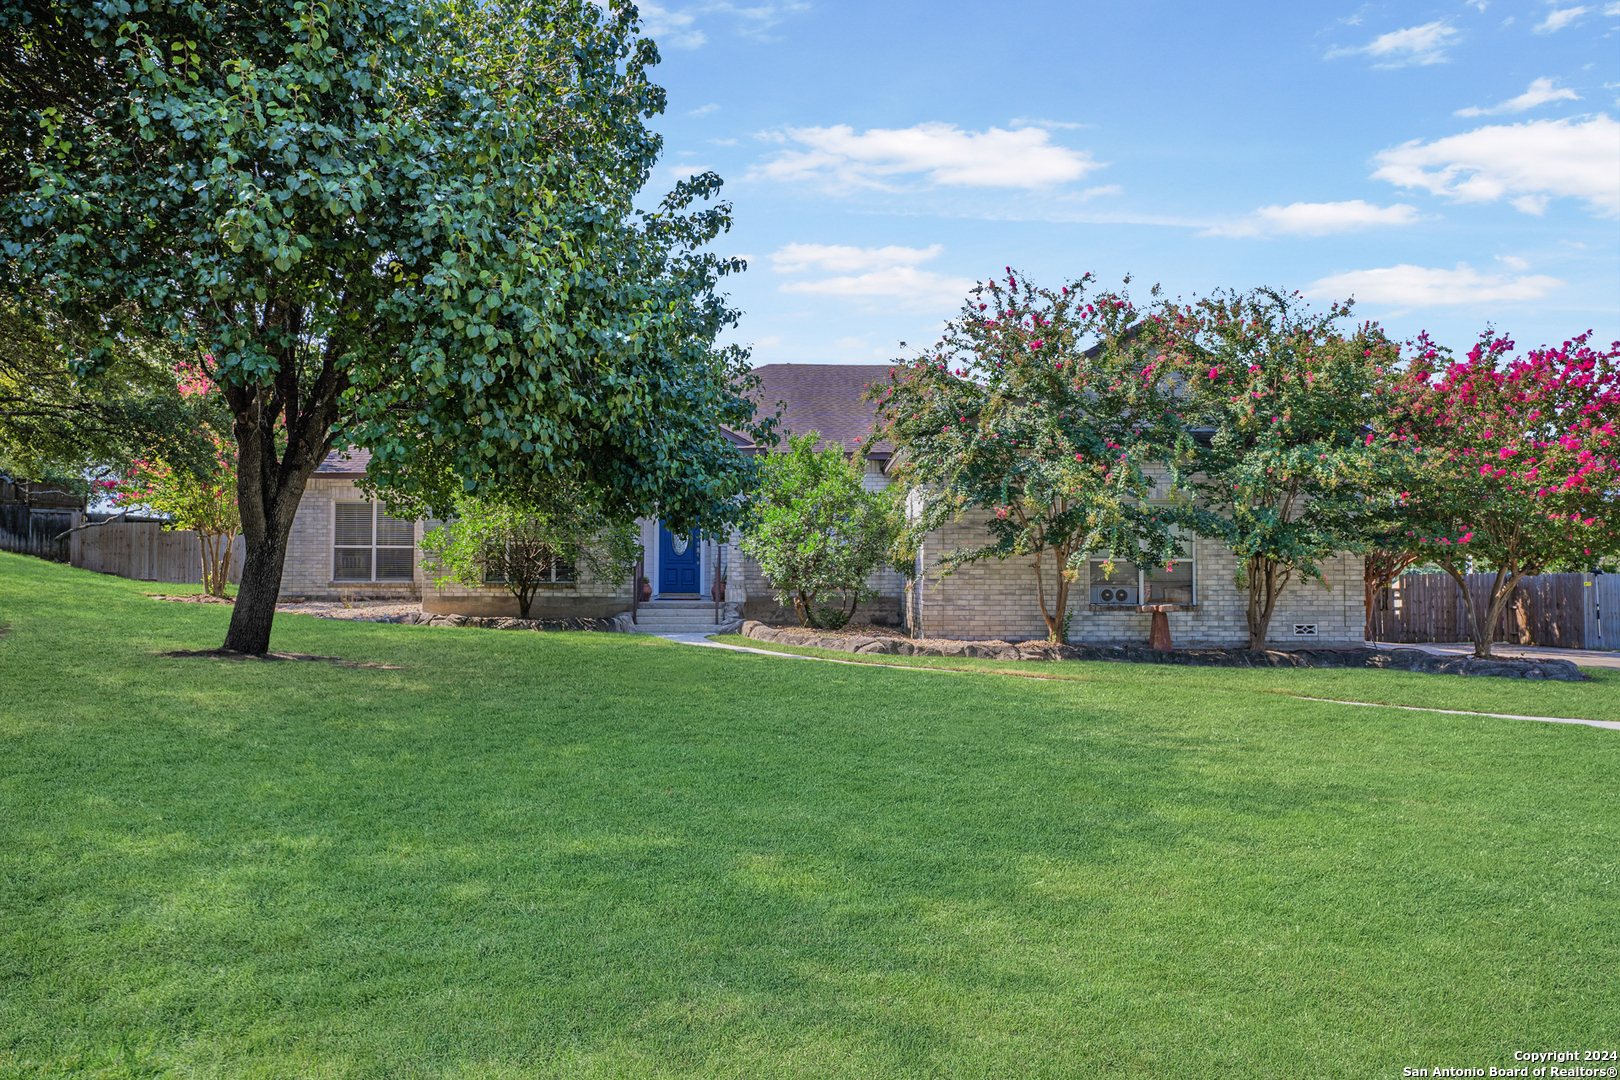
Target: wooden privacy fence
(1568, 611)
(31, 531)
(146, 551)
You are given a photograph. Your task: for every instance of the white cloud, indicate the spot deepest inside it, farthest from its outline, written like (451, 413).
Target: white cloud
(767, 342)
(1424, 44)
(1418, 286)
(1541, 91)
(1050, 125)
(677, 29)
(1316, 219)
(704, 110)
(886, 275)
(903, 284)
(1513, 262)
(839, 258)
(672, 29)
(1527, 164)
(1612, 9)
(942, 153)
(1558, 18)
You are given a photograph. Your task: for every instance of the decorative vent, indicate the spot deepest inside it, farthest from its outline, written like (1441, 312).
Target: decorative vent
(1304, 629)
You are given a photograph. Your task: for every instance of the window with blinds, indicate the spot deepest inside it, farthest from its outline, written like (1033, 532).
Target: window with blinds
(370, 544)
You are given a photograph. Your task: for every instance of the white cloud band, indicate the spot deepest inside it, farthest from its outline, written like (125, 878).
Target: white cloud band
(1418, 286)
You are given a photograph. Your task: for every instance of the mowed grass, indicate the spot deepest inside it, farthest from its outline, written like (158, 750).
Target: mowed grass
(533, 855)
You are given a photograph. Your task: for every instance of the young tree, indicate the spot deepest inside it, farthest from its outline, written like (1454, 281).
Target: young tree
(523, 547)
(817, 532)
(1516, 462)
(406, 224)
(1284, 403)
(1044, 409)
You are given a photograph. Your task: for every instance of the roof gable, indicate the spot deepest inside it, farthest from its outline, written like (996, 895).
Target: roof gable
(827, 398)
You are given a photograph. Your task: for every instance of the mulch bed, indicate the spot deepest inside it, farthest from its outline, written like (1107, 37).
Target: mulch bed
(193, 598)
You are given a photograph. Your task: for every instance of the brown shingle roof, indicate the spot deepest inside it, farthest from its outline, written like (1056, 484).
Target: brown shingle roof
(350, 461)
(822, 397)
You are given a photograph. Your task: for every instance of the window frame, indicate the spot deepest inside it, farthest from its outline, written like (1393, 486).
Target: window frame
(1189, 542)
(373, 548)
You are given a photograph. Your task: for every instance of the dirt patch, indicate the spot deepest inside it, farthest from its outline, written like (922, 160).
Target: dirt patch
(354, 610)
(193, 598)
(227, 654)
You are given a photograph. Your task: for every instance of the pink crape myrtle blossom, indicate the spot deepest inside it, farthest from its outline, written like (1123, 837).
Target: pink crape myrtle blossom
(1515, 459)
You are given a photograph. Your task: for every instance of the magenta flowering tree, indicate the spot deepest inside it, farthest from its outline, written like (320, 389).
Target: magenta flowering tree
(1288, 464)
(1515, 462)
(1044, 409)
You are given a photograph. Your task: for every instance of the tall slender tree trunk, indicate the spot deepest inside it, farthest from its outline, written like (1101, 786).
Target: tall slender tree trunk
(283, 431)
(1053, 619)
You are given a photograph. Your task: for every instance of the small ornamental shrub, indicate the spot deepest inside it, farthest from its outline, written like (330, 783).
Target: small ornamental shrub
(525, 547)
(818, 534)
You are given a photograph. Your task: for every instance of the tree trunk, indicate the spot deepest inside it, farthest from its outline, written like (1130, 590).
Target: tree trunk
(283, 430)
(1266, 583)
(1054, 622)
(256, 596)
(525, 602)
(1501, 591)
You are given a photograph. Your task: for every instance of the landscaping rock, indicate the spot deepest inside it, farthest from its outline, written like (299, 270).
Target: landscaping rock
(1415, 660)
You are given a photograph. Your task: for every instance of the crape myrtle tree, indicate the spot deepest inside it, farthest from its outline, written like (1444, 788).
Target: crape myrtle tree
(528, 544)
(1284, 403)
(405, 224)
(816, 531)
(1043, 408)
(1516, 462)
(197, 496)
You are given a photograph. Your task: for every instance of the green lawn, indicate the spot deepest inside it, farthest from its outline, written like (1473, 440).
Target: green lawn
(530, 855)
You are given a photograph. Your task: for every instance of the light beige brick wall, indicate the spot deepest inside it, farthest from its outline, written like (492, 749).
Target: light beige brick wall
(307, 571)
(998, 599)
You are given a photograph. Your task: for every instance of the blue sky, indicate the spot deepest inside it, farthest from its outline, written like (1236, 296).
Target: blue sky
(1449, 165)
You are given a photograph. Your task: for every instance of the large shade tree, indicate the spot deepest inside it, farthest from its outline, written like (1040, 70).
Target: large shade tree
(1046, 410)
(1515, 462)
(402, 223)
(1286, 465)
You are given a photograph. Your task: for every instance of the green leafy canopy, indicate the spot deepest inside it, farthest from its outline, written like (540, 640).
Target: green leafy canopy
(406, 224)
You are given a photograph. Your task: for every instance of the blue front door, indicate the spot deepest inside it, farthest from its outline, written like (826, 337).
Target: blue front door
(677, 562)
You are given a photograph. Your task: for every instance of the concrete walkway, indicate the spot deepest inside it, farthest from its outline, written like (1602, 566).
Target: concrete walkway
(1578, 657)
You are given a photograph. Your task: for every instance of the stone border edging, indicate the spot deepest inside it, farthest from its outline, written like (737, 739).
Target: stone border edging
(1414, 660)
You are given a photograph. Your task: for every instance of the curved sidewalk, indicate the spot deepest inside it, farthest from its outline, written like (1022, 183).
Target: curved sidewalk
(1501, 650)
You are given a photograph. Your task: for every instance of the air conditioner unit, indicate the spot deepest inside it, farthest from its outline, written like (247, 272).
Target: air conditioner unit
(1114, 595)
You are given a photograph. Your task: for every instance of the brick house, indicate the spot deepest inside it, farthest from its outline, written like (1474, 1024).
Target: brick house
(344, 544)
